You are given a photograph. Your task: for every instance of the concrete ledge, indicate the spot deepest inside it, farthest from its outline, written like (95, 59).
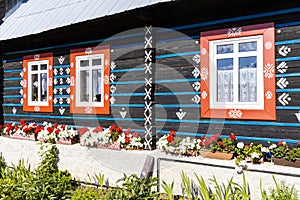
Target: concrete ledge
(83, 162)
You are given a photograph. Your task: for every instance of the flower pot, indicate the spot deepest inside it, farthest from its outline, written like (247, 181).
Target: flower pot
(67, 141)
(31, 137)
(114, 146)
(216, 155)
(284, 162)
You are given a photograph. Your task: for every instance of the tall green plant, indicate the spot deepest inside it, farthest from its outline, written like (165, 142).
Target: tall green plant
(168, 189)
(186, 185)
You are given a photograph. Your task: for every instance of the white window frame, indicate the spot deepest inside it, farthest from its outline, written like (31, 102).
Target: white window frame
(90, 68)
(259, 104)
(30, 84)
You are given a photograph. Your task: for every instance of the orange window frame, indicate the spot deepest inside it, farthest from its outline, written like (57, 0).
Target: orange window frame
(105, 109)
(32, 58)
(269, 110)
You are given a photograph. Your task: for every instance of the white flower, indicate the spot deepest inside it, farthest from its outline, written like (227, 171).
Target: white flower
(264, 149)
(240, 145)
(283, 143)
(255, 155)
(273, 146)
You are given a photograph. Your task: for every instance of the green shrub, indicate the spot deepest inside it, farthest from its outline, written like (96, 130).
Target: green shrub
(133, 188)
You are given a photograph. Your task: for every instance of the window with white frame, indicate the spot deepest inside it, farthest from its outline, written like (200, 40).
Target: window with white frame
(89, 81)
(237, 73)
(38, 83)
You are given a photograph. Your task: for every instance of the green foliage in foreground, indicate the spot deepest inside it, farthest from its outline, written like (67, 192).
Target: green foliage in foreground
(48, 182)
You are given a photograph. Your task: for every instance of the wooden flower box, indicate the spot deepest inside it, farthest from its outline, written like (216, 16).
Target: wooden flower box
(67, 141)
(114, 146)
(216, 155)
(284, 162)
(31, 137)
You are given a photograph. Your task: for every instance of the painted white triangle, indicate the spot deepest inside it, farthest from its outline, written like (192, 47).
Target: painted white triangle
(14, 110)
(61, 110)
(123, 113)
(61, 60)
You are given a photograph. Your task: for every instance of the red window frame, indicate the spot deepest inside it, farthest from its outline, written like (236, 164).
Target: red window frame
(90, 51)
(32, 58)
(269, 111)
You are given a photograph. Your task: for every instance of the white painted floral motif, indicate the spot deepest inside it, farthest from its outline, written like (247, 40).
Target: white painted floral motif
(196, 72)
(106, 79)
(269, 70)
(204, 73)
(36, 108)
(113, 65)
(196, 58)
(235, 113)
(204, 95)
(112, 100)
(269, 94)
(203, 51)
(233, 32)
(268, 45)
(88, 50)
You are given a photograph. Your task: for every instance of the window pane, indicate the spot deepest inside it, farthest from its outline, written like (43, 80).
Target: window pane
(43, 66)
(34, 87)
(43, 86)
(84, 86)
(84, 63)
(247, 46)
(34, 67)
(97, 85)
(222, 49)
(96, 61)
(225, 80)
(247, 79)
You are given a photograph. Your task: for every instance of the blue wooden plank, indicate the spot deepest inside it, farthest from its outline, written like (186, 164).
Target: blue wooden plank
(288, 75)
(137, 94)
(288, 90)
(251, 123)
(175, 93)
(61, 86)
(61, 66)
(12, 104)
(178, 80)
(12, 96)
(287, 42)
(127, 70)
(177, 54)
(62, 76)
(13, 88)
(12, 70)
(81, 117)
(288, 59)
(13, 79)
(288, 107)
(177, 106)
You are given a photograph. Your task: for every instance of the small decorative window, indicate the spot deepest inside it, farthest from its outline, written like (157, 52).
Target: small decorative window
(238, 73)
(37, 83)
(90, 80)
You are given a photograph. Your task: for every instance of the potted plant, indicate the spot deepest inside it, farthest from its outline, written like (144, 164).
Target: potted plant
(24, 131)
(284, 155)
(66, 135)
(130, 141)
(220, 148)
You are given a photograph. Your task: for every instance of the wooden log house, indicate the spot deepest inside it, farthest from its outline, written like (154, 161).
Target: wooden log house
(196, 67)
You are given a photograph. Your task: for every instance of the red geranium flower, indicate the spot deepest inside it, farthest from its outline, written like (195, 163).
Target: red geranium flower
(119, 129)
(172, 133)
(128, 131)
(201, 144)
(203, 137)
(207, 142)
(23, 122)
(50, 129)
(232, 136)
(170, 138)
(82, 131)
(112, 127)
(98, 129)
(135, 134)
(57, 131)
(127, 140)
(63, 126)
(299, 144)
(215, 137)
(280, 143)
(220, 143)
